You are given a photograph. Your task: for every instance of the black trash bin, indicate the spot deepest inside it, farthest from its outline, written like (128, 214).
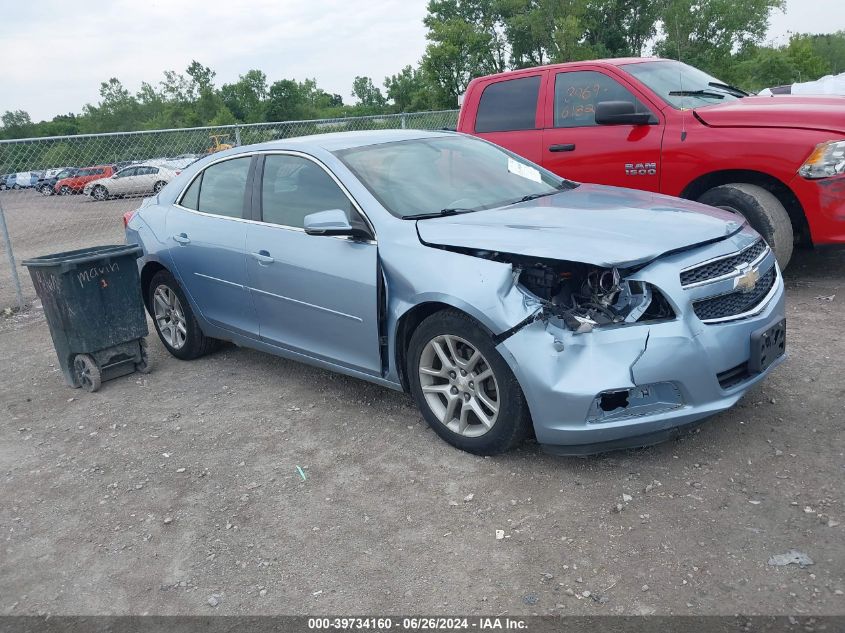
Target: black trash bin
(92, 301)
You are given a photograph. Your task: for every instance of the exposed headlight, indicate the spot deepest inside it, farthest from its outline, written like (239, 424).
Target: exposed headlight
(828, 159)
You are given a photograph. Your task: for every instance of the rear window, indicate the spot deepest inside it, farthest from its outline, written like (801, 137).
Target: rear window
(509, 105)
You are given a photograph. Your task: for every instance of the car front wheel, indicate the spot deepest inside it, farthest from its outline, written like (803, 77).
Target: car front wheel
(174, 320)
(100, 193)
(464, 388)
(65, 191)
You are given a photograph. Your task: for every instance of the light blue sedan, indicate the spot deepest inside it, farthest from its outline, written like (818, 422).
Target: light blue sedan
(506, 300)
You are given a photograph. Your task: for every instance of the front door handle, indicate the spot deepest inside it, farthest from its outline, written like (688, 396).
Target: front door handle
(263, 257)
(563, 147)
(182, 239)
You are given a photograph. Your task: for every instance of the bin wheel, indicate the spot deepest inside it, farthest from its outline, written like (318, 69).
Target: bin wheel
(86, 372)
(144, 366)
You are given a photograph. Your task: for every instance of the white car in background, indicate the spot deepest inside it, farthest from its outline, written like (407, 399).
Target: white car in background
(135, 180)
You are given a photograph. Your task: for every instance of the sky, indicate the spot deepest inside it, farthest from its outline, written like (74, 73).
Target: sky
(56, 58)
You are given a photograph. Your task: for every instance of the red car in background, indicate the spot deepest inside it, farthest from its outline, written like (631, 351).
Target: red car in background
(75, 184)
(663, 126)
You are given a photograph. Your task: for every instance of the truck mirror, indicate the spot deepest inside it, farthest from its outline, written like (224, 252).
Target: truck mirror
(621, 113)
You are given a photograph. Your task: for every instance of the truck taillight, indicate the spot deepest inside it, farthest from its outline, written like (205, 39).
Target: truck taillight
(127, 217)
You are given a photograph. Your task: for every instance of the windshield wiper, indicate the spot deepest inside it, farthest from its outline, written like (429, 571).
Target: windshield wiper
(696, 93)
(438, 214)
(737, 92)
(532, 196)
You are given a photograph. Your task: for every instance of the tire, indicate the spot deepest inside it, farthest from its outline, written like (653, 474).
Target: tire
(86, 373)
(764, 213)
(195, 343)
(100, 193)
(46, 190)
(159, 186)
(16, 186)
(459, 335)
(65, 191)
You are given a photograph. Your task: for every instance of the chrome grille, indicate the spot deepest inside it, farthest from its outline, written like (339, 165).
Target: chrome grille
(723, 267)
(735, 303)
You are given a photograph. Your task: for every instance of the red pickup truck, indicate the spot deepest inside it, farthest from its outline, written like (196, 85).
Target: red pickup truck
(664, 126)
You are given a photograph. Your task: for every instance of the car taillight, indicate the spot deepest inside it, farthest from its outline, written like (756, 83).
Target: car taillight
(127, 217)
(178, 171)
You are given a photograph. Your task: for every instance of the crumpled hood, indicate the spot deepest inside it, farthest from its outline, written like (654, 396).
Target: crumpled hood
(781, 111)
(593, 224)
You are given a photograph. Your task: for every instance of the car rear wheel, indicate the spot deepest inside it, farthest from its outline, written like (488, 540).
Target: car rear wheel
(100, 193)
(764, 212)
(159, 186)
(46, 190)
(463, 387)
(174, 320)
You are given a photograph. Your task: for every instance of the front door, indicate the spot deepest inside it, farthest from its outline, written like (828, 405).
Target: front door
(314, 295)
(575, 147)
(206, 234)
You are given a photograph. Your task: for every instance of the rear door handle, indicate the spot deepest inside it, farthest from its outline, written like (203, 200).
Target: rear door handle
(263, 257)
(182, 239)
(563, 147)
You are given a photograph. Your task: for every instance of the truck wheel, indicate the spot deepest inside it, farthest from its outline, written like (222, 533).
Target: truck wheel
(764, 213)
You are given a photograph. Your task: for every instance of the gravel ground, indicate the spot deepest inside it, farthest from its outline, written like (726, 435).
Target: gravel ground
(179, 492)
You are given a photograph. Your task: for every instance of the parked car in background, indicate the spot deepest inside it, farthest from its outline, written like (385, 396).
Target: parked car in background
(45, 185)
(76, 183)
(7, 181)
(664, 126)
(135, 180)
(497, 293)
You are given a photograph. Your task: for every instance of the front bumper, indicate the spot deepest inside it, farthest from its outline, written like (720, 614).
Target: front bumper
(690, 370)
(823, 201)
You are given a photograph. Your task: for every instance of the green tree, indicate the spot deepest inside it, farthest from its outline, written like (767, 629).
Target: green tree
(16, 124)
(408, 90)
(245, 98)
(705, 33)
(370, 98)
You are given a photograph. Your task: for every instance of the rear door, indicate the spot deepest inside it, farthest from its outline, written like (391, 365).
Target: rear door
(510, 113)
(314, 295)
(206, 234)
(575, 147)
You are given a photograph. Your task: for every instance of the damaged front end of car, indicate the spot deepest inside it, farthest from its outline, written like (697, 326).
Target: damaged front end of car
(580, 297)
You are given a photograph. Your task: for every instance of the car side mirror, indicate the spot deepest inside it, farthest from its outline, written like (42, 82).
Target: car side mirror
(331, 222)
(621, 113)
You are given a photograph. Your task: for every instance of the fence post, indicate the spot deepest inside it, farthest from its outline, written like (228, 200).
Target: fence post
(15, 279)
(404, 121)
(237, 137)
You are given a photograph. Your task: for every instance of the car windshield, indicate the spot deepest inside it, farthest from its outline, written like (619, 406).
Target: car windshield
(454, 174)
(683, 86)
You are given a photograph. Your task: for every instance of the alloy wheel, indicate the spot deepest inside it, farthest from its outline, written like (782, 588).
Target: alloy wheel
(459, 385)
(170, 317)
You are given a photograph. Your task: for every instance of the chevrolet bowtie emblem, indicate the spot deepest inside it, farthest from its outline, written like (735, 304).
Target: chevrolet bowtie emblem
(747, 281)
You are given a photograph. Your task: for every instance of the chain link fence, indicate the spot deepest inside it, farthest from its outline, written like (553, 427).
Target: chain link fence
(59, 194)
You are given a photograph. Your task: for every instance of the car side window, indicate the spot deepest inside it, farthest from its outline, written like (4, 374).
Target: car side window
(192, 195)
(577, 92)
(222, 189)
(508, 105)
(293, 187)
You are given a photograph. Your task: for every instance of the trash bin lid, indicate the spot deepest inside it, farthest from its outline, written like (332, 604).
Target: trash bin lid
(68, 259)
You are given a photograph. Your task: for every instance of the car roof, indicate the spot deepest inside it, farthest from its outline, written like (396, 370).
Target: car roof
(610, 61)
(335, 141)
